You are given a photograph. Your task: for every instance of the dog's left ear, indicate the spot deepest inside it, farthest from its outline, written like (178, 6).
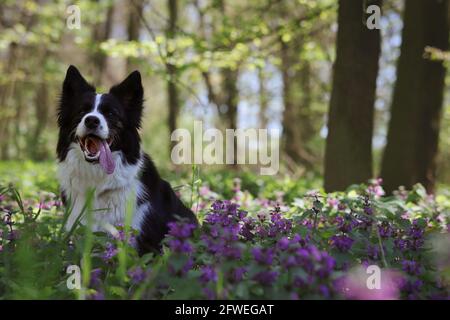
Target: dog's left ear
(131, 95)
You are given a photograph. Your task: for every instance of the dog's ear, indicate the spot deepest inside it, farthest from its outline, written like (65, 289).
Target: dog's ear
(75, 83)
(130, 93)
(74, 86)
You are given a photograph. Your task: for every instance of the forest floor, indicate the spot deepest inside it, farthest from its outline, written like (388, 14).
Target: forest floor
(260, 237)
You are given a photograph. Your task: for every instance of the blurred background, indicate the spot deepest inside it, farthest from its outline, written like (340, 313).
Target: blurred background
(350, 102)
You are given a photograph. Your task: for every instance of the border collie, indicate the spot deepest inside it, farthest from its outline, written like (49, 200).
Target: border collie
(99, 147)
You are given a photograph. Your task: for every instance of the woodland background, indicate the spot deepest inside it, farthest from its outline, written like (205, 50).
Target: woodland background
(351, 103)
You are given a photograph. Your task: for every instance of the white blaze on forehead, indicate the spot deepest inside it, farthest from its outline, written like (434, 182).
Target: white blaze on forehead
(103, 130)
(98, 99)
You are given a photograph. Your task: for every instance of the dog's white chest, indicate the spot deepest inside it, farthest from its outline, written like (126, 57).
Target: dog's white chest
(113, 194)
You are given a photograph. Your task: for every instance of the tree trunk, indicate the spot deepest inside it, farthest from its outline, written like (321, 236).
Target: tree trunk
(292, 140)
(101, 32)
(134, 26)
(230, 89)
(348, 153)
(7, 91)
(231, 100)
(38, 148)
(412, 143)
(306, 114)
(263, 95)
(172, 90)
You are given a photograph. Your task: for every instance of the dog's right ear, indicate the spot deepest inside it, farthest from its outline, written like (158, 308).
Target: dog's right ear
(75, 83)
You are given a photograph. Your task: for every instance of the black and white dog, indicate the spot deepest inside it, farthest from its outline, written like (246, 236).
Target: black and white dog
(99, 147)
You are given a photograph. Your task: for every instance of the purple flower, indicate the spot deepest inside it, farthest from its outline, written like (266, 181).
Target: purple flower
(237, 274)
(411, 267)
(95, 277)
(179, 233)
(326, 265)
(13, 235)
(181, 230)
(415, 231)
(324, 291)
(187, 266)
(232, 252)
(279, 224)
(416, 244)
(110, 252)
(45, 205)
(333, 203)
(137, 275)
(401, 244)
(373, 252)
(247, 228)
(132, 241)
(283, 243)
(299, 282)
(57, 203)
(208, 274)
(301, 241)
(263, 256)
(375, 188)
(266, 278)
(411, 288)
(413, 238)
(289, 262)
(346, 224)
(204, 191)
(342, 242)
(120, 235)
(262, 232)
(385, 230)
(180, 246)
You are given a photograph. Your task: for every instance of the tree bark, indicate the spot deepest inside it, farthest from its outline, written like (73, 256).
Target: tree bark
(101, 32)
(292, 140)
(412, 141)
(231, 100)
(38, 148)
(231, 92)
(306, 114)
(172, 90)
(348, 153)
(263, 95)
(7, 91)
(297, 102)
(134, 26)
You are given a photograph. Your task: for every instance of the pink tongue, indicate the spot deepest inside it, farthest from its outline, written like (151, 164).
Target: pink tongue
(106, 160)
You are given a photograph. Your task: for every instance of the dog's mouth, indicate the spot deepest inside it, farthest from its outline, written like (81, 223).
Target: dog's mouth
(97, 150)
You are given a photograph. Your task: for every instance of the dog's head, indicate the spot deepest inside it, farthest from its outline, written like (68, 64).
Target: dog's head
(100, 123)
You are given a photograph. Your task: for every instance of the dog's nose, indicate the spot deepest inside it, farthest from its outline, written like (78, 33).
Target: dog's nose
(91, 122)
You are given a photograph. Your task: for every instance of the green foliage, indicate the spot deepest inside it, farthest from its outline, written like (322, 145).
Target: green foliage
(35, 250)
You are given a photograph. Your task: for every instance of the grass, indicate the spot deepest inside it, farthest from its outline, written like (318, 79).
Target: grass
(281, 241)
